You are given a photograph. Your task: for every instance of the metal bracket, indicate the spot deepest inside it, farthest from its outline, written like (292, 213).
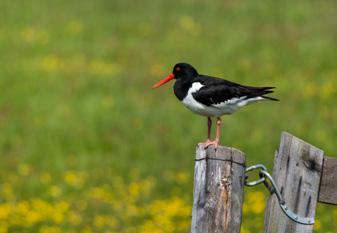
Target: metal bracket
(264, 177)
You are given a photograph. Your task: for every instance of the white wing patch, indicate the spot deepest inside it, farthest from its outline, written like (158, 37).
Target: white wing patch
(190, 102)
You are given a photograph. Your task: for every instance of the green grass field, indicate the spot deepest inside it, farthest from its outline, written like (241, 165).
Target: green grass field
(87, 146)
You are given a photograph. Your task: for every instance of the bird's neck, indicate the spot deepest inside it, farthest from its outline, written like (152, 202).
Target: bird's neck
(181, 88)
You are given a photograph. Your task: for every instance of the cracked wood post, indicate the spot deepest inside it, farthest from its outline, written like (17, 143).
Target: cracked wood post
(297, 173)
(218, 190)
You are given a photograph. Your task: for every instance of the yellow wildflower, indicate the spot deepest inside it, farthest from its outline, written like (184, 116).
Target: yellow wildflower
(7, 191)
(74, 179)
(32, 217)
(75, 27)
(31, 35)
(100, 221)
(327, 90)
(182, 177)
(54, 191)
(74, 218)
(309, 89)
(51, 63)
(23, 208)
(256, 202)
(101, 67)
(5, 210)
(45, 178)
(3, 227)
(24, 169)
(49, 229)
(188, 23)
(107, 101)
(87, 229)
(317, 225)
(157, 70)
(101, 194)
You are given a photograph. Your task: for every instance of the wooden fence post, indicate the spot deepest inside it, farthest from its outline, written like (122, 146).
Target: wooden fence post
(218, 190)
(328, 187)
(297, 172)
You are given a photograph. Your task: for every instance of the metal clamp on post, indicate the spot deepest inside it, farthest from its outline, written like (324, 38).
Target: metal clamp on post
(272, 187)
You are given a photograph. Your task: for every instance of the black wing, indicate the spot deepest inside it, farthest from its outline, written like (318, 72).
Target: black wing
(216, 90)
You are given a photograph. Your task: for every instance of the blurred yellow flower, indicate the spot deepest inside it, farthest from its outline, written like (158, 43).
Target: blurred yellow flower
(188, 24)
(31, 35)
(5, 210)
(7, 191)
(3, 227)
(87, 229)
(49, 229)
(101, 67)
(101, 194)
(100, 221)
(309, 89)
(245, 64)
(51, 63)
(74, 218)
(75, 179)
(59, 211)
(317, 225)
(244, 230)
(328, 89)
(157, 70)
(134, 189)
(45, 178)
(24, 169)
(32, 217)
(22, 208)
(163, 212)
(107, 101)
(75, 27)
(39, 205)
(255, 202)
(182, 177)
(54, 191)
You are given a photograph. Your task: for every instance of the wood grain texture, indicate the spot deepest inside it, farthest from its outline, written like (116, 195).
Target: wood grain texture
(218, 190)
(297, 172)
(328, 186)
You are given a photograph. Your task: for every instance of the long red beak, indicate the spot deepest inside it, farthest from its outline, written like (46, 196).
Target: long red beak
(163, 81)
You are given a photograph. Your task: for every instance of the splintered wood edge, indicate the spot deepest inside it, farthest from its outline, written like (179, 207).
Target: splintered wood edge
(289, 135)
(328, 187)
(221, 152)
(317, 158)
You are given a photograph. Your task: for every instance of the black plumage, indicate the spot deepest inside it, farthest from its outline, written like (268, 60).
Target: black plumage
(216, 90)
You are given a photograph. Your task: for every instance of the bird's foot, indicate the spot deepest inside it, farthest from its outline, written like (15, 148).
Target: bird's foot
(209, 143)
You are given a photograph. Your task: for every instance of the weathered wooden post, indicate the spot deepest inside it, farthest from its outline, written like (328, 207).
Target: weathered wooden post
(218, 190)
(328, 187)
(297, 173)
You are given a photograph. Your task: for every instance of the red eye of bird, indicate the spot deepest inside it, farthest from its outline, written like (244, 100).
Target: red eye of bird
(178, 69)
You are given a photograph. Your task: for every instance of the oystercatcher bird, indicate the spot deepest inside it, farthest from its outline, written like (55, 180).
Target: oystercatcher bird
(210, 96)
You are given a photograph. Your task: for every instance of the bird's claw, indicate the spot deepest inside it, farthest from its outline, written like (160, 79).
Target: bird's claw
(209, 143)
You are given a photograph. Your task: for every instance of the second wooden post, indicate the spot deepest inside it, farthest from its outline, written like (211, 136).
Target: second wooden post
(218, 190)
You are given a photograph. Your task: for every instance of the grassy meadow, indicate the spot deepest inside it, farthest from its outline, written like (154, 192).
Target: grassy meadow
(87, 146)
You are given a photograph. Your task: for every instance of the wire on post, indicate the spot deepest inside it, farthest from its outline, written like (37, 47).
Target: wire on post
(270, 184)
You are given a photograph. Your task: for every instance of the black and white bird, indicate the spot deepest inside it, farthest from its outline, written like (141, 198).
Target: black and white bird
(210, 96)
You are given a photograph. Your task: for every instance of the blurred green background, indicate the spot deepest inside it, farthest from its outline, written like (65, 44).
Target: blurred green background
(87, 146)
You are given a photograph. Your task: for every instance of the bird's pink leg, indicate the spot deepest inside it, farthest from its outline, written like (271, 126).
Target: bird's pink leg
(217, 135)
(209, 126)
